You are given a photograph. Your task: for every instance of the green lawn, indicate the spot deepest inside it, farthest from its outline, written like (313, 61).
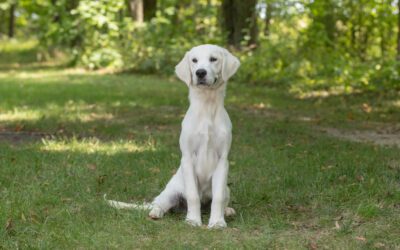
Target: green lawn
(68, 136)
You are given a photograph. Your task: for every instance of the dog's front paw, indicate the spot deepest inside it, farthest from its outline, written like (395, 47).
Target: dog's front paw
(217, 224)
(229, 211)
(193, 222)
(156, 213)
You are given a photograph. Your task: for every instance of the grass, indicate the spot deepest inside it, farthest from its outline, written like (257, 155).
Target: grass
(68, 136)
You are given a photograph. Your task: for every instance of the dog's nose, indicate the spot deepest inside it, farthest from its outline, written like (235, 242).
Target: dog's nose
(201, 73)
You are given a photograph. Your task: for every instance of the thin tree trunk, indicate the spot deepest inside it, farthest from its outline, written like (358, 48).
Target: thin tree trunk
(136, 10)
(253, 26)
(364, 43)
(398, 30)
(149, 9)
(268, 17)
(2, 21)
(239, 18)
(11, 23)
(228, 20)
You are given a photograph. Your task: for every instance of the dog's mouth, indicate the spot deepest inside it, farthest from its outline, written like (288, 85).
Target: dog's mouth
(204, 82)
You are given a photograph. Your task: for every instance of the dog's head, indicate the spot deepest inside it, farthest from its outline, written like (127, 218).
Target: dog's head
(207, 66)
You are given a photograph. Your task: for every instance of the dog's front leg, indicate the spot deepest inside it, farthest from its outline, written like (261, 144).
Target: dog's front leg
(219, 196)
(193, 216)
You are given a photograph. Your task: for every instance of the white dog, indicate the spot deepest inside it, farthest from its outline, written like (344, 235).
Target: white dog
(205, 140)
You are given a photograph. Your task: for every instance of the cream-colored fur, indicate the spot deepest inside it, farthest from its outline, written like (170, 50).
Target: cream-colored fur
(205, 139)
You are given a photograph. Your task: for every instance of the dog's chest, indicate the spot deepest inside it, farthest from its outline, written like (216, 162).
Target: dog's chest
(207, 139)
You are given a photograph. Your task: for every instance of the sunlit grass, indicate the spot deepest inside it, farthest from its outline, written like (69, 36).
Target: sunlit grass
(13, 45)
(293, 187)
(70, 111)
(20, 114)
(94, 145)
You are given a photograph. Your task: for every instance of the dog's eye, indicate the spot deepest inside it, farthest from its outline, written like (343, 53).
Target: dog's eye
(213, 59)
(194, 60)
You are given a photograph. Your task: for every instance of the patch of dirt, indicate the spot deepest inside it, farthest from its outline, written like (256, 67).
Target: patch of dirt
(383, 135)
(372, 132)
(20, 137)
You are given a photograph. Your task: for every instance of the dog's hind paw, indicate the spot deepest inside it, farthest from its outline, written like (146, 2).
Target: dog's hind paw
(156, 213)
(229, 211)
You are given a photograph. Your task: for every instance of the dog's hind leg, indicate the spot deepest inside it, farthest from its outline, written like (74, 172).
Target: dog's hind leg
(168, 198)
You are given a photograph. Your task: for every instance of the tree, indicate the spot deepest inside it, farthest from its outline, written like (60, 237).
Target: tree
(11, 22)
(149, 9)
(136, 10)
(142, 10)
(398, 30)
(239, 18)
(268, 16)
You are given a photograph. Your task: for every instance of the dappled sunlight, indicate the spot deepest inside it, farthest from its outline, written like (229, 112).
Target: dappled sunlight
(81, 111)
(20, 115)
(37, 74)
(324, 93)
(13, 46)
(71, 111)
(394, 103)
(94, 145)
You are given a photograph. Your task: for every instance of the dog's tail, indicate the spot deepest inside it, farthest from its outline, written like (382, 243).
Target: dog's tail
(124, 205)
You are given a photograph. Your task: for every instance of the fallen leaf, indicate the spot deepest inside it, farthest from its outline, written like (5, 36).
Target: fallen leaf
(340, 217)
(33, 217)
(312, 245)
(23, 217)
(9, 224)
(91, 166)
(10, 227)
(260, 105)
(327, 167)
(360, 178)
(361, 238)
(154, 170)
(18, 127)
(379, 245)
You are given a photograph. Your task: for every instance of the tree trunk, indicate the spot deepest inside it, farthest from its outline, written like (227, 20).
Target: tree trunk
(2, 21)
(228, 20)
(398, 30)
(239, 18)
(149, 9)
(142, 10)
(11, 23)
(268, 17)
(136, 10)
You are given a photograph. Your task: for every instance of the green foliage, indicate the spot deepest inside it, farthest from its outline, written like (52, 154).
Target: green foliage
(101, 30)
(156, 46)
(309, 44)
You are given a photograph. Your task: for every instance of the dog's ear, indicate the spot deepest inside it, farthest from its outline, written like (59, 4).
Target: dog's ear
(229, 66)
(182, 70)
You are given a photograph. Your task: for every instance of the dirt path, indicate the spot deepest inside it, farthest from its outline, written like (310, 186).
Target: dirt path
(19, 137)
(382, 134)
